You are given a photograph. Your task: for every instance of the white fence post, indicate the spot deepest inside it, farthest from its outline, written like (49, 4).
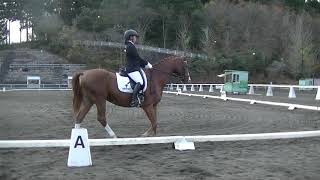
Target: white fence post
(183, 144)
(292, 94)
(184, 88)
(269, 91)
(221, 88)
(318, 94)
(223, 95)
(171, 87)
(200, 88)
(251, 90)
(211, 88)
(192, 88)
(177, 87)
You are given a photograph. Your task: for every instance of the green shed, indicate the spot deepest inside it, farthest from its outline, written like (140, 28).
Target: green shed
(306, 82)
(235, 82)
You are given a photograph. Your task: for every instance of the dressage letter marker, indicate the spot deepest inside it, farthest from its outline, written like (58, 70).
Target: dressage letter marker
(79, 152)
(77, 142)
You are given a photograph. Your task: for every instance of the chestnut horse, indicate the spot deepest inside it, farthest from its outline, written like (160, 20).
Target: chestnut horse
(97, 85)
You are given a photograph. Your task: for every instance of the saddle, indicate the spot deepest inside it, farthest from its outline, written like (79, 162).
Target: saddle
(126, 84)
(123, 73)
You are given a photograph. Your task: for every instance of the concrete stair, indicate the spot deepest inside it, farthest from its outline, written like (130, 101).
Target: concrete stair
(23, 62)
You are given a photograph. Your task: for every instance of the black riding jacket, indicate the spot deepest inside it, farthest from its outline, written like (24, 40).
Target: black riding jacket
(134, 61)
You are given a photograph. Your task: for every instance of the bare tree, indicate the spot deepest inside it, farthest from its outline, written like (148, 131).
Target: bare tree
(9, 30)
(27, 28)
(208, 41)
(300, 57)
(20, 30)
(144, 19)
(164, 13)
(183, 36)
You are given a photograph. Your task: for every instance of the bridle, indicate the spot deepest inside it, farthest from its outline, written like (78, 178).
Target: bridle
(168, 73)
(164, 72)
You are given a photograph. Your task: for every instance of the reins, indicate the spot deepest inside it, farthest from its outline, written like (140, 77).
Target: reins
(164, 72)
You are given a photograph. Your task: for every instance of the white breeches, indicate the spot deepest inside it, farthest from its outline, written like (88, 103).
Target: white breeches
(136, 77)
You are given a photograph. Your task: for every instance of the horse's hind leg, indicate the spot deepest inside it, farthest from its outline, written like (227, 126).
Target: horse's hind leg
(152, 116)
(101, 113)
(84, 109)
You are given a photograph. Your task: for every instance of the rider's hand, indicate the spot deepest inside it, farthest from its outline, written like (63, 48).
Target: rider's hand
(148, 66)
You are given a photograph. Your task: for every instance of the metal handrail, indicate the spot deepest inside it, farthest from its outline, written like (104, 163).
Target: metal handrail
(148, 48)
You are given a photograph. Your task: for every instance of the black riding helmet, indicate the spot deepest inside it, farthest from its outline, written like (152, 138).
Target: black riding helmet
(129, 33)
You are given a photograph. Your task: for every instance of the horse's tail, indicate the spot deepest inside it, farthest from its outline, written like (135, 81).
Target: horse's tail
(77, 96)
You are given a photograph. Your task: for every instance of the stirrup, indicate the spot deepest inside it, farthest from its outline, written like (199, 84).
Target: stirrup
(136, 102)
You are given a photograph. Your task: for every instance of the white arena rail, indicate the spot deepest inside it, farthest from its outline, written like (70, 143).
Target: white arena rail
(251, 91)
(159, 140)
(282, 86)
(31, 89)
(251, 101)
(254, 85)
(43, 87)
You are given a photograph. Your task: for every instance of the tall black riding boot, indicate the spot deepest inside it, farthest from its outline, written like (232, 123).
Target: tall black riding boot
(134, 100)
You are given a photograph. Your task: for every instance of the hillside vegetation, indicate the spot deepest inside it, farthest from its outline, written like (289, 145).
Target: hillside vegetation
(275, 40)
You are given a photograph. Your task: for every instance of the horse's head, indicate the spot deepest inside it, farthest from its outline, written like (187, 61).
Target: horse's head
(181, 69)
(176, 66)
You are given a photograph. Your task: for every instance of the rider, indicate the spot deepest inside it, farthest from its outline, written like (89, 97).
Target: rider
(134, 63)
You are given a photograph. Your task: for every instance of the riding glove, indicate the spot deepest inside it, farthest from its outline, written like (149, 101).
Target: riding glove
(148, 66)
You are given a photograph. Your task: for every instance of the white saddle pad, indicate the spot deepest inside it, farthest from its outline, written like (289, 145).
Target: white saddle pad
(124, 83)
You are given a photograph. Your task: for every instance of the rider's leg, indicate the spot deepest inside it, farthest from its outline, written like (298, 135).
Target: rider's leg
(139, 82)
(134, 100)
(136, 76)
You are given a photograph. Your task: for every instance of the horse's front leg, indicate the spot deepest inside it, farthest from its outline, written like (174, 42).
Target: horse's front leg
(152, 116)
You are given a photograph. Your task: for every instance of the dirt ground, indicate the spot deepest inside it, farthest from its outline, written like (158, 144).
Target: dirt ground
(47, 115)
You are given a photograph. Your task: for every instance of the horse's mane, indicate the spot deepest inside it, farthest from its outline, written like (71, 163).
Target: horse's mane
(165, 59)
